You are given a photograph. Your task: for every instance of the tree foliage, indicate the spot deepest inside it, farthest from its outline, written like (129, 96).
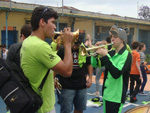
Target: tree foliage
(144, 12)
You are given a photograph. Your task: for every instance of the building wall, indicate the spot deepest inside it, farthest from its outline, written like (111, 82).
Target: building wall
(84, 25)
(2, 22)
(18, 19)
(15, 19)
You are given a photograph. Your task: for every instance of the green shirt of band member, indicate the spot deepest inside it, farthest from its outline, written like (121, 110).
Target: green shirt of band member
(37, 55)
(117, 64)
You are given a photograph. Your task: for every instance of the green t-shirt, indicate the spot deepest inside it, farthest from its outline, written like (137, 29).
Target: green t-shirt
(117, 70)
(54, 46)
(114, 89)
(36, 58)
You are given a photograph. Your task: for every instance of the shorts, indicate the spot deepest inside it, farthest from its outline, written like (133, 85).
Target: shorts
(73, 98)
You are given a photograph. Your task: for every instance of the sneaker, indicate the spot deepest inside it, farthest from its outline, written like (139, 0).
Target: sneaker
(97, 94)
(128, 94)
(133, 99)
(142, 93)
(94, 94)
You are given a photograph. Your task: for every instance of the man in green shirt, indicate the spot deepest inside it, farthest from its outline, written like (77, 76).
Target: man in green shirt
(37, 56)
(117, 69)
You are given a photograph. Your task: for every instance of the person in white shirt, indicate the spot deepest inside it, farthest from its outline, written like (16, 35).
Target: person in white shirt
(4, 50)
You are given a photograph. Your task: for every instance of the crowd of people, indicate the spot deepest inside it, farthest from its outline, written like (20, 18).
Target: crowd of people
(119, 64)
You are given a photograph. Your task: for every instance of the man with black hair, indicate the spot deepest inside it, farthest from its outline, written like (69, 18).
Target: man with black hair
(73, 93)
(14, 50)
(37, 56)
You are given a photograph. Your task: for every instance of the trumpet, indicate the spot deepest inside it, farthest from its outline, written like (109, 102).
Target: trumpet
(57, 37)
(89, 51)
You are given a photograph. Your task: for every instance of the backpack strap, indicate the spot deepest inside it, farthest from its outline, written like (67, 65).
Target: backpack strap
(18, 49)
(43, 81)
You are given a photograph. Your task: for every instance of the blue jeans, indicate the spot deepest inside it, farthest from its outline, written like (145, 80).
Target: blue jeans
(73, 98)
(144, 75)
(98, 75)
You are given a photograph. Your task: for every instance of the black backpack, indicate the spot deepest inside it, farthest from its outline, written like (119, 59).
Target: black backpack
(16, 90)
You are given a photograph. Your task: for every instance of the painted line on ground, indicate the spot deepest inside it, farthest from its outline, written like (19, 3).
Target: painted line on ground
(128, 104)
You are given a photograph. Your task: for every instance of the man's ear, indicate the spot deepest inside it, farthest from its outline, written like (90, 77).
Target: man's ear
(23, 37)
(42, 22)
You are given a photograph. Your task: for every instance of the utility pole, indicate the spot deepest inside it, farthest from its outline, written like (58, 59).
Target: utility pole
(7, 12)
(62, 7)
(137, 9)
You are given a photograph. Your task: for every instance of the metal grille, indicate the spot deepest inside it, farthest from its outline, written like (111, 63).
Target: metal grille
(144, 37)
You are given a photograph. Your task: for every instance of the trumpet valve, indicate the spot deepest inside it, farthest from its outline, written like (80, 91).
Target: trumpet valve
(82, 50)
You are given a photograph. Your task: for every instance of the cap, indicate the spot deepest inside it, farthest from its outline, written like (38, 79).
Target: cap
(121, 33)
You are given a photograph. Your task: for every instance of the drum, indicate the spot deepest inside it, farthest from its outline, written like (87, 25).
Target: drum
(139, 109)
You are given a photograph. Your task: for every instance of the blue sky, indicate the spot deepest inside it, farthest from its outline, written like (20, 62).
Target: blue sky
(119, 7)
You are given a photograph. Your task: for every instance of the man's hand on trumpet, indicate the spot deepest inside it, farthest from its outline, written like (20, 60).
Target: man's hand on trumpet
(102, 51)
(98, 43)
(67, 36)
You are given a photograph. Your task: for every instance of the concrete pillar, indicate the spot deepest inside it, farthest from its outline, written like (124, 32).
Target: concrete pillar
(93, 32)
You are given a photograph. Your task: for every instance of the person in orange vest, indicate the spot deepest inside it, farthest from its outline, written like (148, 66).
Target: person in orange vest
(135, 73)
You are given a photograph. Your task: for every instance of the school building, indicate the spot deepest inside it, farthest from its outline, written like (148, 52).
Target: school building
(14, 15)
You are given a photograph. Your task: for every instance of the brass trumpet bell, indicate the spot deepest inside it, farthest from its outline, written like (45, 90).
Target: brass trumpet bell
(91, 51)
(57, 38)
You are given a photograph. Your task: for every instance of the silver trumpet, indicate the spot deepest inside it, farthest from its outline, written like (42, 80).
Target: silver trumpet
(90, 51)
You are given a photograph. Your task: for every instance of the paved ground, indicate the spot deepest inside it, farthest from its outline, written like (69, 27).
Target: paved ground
(126, 107)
